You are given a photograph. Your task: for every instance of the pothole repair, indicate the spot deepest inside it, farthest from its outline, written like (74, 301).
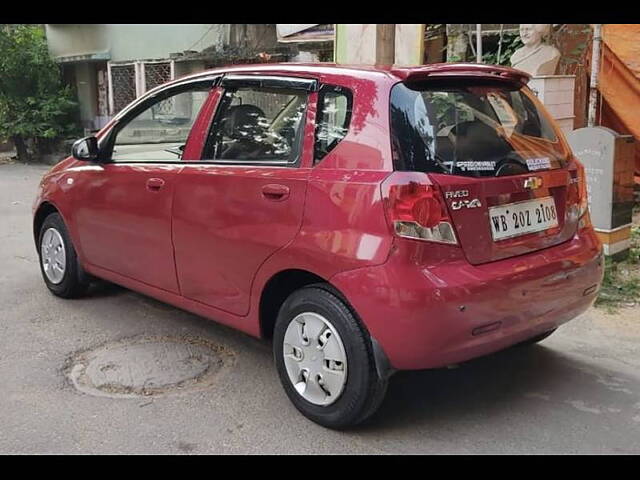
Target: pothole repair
(148, 366)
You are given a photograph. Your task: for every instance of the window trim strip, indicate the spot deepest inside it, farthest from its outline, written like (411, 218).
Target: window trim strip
(270, 81)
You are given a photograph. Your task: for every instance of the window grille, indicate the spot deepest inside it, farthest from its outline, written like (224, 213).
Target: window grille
(128, 81)
(123, 82)
(156, 74)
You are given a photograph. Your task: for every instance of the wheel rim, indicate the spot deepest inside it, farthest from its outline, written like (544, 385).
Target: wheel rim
(53, 255)
(315, 358)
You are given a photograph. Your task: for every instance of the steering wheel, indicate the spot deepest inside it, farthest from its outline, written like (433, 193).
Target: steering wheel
(510, 165)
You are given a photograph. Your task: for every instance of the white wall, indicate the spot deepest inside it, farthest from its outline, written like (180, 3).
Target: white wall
(132, 41)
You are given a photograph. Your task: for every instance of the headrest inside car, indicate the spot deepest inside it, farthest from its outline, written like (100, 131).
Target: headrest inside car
(242, 120)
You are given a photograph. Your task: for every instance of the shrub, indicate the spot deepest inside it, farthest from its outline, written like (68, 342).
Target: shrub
(35, 106)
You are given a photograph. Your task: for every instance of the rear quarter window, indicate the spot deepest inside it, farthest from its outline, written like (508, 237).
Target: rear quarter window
(335, 105)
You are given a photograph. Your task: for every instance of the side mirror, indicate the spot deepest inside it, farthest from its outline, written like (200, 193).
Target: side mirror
(85, 149)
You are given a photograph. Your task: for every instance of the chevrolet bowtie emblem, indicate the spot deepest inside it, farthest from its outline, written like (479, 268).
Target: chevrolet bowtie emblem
(533, 183)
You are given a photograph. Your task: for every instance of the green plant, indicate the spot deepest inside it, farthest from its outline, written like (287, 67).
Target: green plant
(34, 103)
(621, 283)
(510, 43)
(634, 251)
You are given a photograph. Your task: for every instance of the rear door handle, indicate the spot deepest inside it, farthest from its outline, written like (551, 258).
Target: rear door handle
(155, 184)
(275, 192)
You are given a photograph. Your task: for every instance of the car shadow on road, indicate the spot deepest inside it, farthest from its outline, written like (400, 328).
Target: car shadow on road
(488, 386)
(494, 386)
(104, 289)
(184, 320)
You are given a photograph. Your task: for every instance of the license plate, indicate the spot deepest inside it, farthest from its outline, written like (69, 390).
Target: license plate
(520, 218)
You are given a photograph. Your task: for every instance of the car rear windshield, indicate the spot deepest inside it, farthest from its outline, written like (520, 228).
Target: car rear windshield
(471, 129)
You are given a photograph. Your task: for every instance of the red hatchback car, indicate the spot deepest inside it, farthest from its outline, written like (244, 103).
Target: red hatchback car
(366, 219)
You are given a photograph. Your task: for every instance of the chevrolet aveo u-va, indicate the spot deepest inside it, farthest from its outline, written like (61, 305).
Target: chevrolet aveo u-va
(367, 220)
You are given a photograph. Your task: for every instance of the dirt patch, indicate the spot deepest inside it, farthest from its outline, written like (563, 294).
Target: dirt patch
(624, 321)
(147, 366)
(621, 283)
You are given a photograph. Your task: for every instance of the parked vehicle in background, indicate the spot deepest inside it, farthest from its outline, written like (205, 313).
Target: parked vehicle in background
(367, 220)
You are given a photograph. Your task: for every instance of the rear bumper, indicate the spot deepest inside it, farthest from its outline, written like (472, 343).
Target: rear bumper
(432, 316)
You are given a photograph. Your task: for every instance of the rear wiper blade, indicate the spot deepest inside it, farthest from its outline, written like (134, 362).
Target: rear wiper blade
(453, 165)
(433, 156)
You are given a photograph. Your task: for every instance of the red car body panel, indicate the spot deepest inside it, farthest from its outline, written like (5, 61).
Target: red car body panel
(200, 129)
(226, 226)
(212, 236)
(477, 242)
(123, 222)
(461, 70)
(429, 314)
(229, 219)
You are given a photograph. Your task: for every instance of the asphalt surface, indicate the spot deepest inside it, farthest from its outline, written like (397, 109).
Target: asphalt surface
(576, 392)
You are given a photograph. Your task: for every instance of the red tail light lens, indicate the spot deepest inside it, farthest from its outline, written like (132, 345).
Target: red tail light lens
(577, 200)
(577, 196)
(583, 203)
(415, 209)
(583, 198)
(415, 202)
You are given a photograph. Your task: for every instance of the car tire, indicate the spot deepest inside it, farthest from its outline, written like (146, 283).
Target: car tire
(332, 380)
(537, 338)
(61, 270)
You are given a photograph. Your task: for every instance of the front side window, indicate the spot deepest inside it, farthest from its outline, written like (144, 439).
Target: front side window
(258, 125)
(474, 130)
(160, 131)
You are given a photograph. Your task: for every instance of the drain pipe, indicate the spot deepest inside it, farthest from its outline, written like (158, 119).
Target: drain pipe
(595, 68)
(479, 42)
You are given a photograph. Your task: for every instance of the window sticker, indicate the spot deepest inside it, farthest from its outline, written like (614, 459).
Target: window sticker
(475, 166)
(540, 163)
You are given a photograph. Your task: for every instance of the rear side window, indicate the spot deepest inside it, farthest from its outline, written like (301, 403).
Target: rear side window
(334, 114)
(258, 125)
(473, 130)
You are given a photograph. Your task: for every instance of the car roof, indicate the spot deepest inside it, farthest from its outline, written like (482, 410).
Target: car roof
(391, 72)
(376, 73)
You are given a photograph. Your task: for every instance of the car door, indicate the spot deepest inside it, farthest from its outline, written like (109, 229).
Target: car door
(244, 200)
(124, 201)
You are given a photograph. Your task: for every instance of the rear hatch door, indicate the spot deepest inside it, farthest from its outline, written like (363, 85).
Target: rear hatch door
(506, 174)
(496, 218)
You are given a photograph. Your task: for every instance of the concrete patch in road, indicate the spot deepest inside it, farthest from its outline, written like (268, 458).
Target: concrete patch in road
(147, 366)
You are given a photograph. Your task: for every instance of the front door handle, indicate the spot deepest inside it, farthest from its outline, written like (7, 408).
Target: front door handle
(275, 192)
(155, 184)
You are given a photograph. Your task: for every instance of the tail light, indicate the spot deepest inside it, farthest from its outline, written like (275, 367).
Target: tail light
(577, 195)
(415, 208)
(583, 204)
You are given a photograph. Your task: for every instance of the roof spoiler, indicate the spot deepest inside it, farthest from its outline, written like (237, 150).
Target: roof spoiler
(461, 70)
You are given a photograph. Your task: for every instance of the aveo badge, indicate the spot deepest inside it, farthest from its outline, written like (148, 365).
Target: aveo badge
(458, 204)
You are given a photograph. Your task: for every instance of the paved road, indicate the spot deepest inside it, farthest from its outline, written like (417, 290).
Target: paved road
(577, 392)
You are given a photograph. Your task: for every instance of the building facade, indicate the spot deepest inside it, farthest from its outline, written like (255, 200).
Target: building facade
(111, 65)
